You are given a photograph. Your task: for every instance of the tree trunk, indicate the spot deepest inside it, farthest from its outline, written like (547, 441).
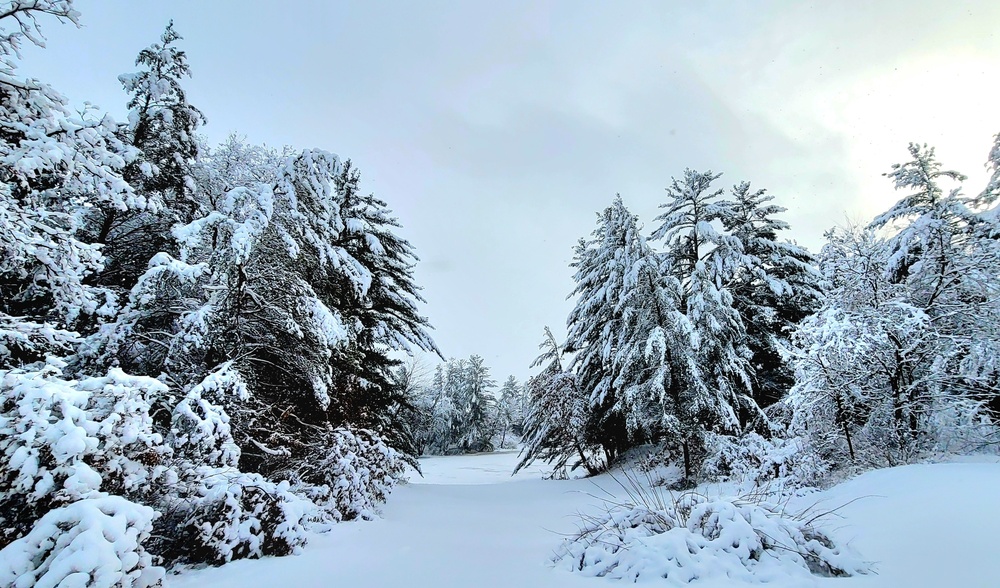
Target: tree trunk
(843, 423)
(687, 461)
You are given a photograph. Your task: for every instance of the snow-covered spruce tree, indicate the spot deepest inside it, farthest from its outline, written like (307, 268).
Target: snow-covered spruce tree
(387, 316)
(775, 287)
(557, 419)
(663, 390)
(510, 411)
(410, 381)
(476, 407)
(704, 260)
(597, 330)
(433, 415)
(458, 411)
(161, 126)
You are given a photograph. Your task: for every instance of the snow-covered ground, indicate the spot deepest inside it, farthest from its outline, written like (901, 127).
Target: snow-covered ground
(468, 523)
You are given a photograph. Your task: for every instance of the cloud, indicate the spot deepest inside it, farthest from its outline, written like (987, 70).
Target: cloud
(497, 130)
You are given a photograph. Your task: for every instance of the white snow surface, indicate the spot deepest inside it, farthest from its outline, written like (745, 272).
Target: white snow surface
(469, 523)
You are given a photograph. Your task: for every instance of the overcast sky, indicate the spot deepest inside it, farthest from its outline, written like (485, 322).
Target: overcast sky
(497, 129)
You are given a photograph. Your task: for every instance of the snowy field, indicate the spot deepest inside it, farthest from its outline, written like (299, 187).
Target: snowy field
(468, 523)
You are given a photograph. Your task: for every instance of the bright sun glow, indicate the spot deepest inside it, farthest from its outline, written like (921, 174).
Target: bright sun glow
(947, 101)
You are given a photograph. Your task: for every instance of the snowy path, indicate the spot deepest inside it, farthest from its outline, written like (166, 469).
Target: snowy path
(469, 524)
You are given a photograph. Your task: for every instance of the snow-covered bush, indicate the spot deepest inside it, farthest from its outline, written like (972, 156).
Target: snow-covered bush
(689, 537)
(350, 474)
(755, 461)
(200, 426)
(212, 511)
(23, 342)
(217, 515)
(64, 441)
(95, 542)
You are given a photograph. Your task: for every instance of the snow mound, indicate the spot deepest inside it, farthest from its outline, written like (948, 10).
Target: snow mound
(95, 542)
(693, 537)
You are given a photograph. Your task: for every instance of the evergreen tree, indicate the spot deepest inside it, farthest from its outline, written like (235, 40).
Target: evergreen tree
(686, 224)
(658, 369)
(476, 406)
(161, 126)
(703, 260)
(558, 418)
(933, 225)
(386, 311)
(775, 287)
(261, 300)
(597, 327)
(510, 412)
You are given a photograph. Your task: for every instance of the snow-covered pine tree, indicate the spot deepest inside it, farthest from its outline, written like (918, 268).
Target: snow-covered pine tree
(686, 224)
(436, 409)
(597, 329)
(775, 287)
(387, 316)
(663, 392)
(703, 260)
(991, 193)
(510, 411)
(161, 126)
(476, 406)
(458, 411)
(556, 423)
(266, 281)
(932, 224)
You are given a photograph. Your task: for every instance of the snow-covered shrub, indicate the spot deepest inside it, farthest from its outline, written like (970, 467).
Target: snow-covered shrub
(658, 463)
(213, 512)
(200, 426)
(217, 515)
(689, 537)
(351, 474)
(23, 341)
(755, 460)
(63, 440)
(95, 542)
(964, 427)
